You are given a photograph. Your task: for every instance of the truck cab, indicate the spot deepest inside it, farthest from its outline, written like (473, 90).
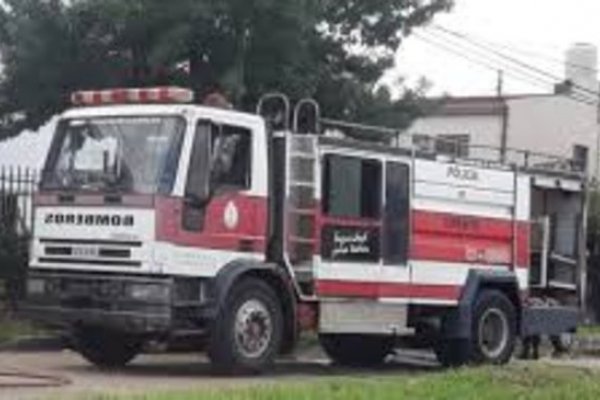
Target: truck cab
(139, 209)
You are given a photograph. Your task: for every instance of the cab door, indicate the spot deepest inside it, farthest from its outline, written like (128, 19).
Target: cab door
(231, 222)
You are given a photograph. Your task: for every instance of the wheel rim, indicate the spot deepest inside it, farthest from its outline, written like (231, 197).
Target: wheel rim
(493, 333)
(253, 329)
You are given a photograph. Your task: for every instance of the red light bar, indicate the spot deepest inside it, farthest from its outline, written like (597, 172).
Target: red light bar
(161, 95)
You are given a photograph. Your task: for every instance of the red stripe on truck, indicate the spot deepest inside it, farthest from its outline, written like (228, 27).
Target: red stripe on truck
(467, 239)
(373, 290)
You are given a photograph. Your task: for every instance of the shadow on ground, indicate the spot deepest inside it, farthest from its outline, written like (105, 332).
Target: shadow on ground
(163, 367)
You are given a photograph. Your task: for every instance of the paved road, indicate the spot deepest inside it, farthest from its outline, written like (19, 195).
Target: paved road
(165, 372)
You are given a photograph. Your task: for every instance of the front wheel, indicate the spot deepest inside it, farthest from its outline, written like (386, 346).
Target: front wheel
(246, 336)
(357, 350)
(106, 349)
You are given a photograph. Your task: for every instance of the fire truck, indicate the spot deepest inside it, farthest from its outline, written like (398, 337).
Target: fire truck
(161, 220)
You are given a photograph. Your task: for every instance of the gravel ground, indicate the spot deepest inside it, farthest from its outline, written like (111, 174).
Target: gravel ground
(167, 372)
(160, 372)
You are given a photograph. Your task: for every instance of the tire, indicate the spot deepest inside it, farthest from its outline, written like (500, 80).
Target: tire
(494, 328)
(357, 350)
(456, 352)
(251, 305)
(106, 349)
(452, 353)
(562, 344)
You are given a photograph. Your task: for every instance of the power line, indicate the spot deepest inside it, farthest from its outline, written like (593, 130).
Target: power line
(514, 60)
(522, 76)
(526, 76)
(532, 54)
(492, 62)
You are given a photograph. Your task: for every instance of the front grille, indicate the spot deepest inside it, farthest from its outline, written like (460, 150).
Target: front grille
(103, 252)
(91, 252)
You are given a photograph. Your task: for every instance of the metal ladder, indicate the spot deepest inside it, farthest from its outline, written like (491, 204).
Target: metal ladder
(301, 208)
(301, 193)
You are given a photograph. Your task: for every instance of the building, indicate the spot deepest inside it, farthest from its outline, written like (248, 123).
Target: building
(564, 123)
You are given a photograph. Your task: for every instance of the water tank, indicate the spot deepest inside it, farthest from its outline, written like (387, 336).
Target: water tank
(581, 67)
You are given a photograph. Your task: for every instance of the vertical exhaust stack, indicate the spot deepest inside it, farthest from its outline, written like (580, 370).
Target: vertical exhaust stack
(581, 69)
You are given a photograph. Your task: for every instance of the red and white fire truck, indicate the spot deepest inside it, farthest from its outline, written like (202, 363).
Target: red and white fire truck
(162, 220)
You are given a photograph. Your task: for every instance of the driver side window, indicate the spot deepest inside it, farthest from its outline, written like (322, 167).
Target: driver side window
(231, 157)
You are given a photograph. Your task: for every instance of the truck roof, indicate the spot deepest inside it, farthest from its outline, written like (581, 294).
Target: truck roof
(186, 110)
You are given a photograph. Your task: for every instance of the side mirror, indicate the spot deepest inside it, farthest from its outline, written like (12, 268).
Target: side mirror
(198, 188)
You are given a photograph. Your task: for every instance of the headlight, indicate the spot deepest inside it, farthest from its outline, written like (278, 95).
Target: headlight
(149, 292)
(36, 286)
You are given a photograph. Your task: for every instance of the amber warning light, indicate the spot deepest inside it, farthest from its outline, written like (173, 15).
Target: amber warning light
(161, 95)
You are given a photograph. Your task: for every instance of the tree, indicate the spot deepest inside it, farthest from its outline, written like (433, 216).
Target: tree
(333, 50)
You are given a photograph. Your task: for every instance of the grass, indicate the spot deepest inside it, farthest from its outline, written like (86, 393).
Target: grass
(588, 330)
(12, 329)
(514, 382)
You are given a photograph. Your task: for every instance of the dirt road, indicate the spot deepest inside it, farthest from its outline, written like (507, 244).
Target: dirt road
(165, 372)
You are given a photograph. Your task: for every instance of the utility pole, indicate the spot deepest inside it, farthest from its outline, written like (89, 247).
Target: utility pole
(500, 83)
(504, 132)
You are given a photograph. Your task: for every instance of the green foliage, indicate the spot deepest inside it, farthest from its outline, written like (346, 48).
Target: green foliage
(334, 50)
(13, 266)
(495, 383)
(13, 329)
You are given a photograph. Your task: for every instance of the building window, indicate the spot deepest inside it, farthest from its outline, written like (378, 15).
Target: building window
(352, 187)
(580, 157)
(424, 143)
(452, 145)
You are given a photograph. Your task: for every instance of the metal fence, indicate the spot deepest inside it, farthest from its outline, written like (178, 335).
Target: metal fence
(17, 187)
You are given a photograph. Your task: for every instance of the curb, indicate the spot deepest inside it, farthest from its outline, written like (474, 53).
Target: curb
(35, 344)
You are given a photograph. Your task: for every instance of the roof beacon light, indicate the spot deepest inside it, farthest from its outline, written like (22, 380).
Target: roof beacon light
(160, 95)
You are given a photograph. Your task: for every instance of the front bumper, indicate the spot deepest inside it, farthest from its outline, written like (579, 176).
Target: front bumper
(126, 303)
(130, 322)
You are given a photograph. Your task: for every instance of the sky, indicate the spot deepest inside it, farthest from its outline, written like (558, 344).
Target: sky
(515, 27)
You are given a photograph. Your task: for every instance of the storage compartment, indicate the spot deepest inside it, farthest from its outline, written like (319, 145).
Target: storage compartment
(556, 232)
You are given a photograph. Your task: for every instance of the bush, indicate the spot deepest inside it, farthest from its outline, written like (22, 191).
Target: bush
(13, 266)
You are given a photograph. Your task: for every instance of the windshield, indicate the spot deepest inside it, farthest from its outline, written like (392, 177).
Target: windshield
(128, 154)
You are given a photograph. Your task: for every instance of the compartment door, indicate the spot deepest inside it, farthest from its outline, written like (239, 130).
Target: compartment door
(395, 274)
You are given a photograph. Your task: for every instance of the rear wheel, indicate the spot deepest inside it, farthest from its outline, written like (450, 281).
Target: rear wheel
(494, 328)
(563, 343)
(493, 334)
(106, 349)
(357, 350)
(247, 334)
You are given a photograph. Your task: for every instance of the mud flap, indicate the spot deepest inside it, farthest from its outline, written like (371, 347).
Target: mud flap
(548, 320)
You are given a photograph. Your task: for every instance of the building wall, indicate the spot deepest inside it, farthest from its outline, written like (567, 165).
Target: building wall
(553, 125)
(543, 124)
(483, 130)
